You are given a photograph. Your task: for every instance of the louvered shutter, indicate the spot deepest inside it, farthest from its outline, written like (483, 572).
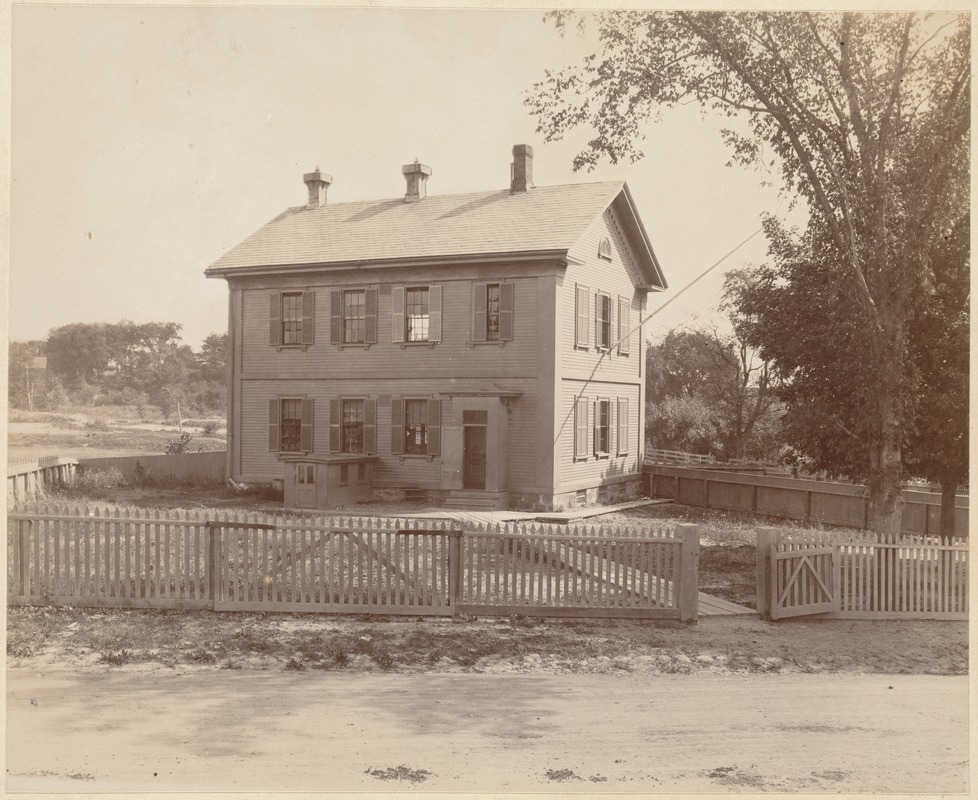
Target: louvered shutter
(622, 426)
(275, 319)
(580, 429)
(624, 325)
(397, 314)
(480, 295)
(370, 316)
(334, 426)
(434, 427)
(336, 317)
(583, 334)
(369, 426)
(306, 441)
(273, 424)
(397, 425)
(434, 314)
(506, 313)
(308, 317)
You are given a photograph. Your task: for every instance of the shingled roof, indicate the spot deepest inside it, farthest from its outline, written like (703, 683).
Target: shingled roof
(547, 220)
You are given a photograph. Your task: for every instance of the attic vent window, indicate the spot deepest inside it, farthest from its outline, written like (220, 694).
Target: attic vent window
(604, 249)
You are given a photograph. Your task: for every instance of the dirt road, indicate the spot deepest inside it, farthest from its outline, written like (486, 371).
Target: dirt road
(122, 730)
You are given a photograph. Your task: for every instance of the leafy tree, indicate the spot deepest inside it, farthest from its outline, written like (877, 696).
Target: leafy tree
(30, 384)
(682, 422)
(938, 443)
(79, 353)
(729, 408)
(867, 117)
(212, 358)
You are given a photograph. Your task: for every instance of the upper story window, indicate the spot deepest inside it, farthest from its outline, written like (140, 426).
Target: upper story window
(604, 249)
(493, 312)
(416, 314)
(354, 316)
(291, 318)
(602, 321)
(290, 425)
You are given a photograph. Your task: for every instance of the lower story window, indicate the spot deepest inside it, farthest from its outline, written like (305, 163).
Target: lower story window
(352, 426)
(291, 425)
(416, 426)
(602, 427)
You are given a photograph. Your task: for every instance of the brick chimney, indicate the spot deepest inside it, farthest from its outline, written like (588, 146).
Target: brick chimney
(317, 182)
(416, 176)
(521, 172)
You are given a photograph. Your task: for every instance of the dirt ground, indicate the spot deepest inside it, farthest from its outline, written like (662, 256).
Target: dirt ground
(183, 642)
(123, 731)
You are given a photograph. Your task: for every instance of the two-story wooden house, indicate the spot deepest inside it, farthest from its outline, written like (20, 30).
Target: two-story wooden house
(479, 349)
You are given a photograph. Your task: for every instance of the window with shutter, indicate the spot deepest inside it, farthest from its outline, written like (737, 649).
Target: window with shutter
(290, 424)
(291, 320)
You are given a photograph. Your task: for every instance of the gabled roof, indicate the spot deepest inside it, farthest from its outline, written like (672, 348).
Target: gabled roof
(543, 222)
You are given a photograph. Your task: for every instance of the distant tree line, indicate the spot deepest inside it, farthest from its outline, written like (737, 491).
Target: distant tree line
(126, 363)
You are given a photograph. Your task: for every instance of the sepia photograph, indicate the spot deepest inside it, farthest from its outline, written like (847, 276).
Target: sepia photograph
(488, 400)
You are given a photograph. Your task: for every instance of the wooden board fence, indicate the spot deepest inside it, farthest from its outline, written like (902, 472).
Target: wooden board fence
(549, 570)
(861, 575)
(61, 555)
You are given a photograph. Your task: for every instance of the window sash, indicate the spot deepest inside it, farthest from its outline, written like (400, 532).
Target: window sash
(417, 314)
(290, 426)
(492, 312)
(352, 426)
(416, 427)
(291, 318)
(354, 316)
(602, 427)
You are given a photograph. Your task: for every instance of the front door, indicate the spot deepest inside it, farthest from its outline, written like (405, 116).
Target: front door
(474, 457)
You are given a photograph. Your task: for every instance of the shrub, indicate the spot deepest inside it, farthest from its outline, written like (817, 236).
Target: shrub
(91, 482)
(210, 428)
(181, 445)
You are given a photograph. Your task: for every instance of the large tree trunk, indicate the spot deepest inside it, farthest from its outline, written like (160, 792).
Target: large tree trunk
(949, 496)
(885, 484)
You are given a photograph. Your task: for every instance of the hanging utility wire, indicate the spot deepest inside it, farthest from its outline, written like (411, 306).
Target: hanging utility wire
(645, 319)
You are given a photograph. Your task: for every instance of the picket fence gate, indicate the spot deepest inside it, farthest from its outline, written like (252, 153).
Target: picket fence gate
(860, 575)
(138, 558)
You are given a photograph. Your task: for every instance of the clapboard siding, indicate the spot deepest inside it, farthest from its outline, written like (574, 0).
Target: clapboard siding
(593, 471)
(454, 356)
(616, 278)
(258, 463)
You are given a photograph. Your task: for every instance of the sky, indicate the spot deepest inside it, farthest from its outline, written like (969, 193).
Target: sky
(147, 141)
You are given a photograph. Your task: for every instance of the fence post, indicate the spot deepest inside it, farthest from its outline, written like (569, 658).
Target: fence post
(766, 541)
(455, 570)
(689, 573)
(214, 561)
